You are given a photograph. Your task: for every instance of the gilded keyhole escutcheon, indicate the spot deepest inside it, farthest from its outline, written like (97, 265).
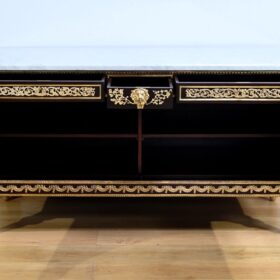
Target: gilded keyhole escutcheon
(140, 97)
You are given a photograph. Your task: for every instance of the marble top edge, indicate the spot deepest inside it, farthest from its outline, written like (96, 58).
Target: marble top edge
(172, 58)
(144, 69)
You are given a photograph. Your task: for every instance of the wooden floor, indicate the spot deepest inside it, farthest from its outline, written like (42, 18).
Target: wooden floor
(144, 238)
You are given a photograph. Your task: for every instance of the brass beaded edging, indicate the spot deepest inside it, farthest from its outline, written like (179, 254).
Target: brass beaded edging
(144, 72)
(141, 188)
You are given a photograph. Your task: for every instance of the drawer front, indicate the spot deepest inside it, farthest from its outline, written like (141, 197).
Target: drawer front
(239, 86)
(139, 92)
(140, 98)
(238, 93)
(52, 90)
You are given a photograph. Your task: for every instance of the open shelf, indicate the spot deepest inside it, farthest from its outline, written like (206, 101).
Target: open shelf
(65, 118)
(213, 118)
(67, 159)
(162, 159)
(245, 159)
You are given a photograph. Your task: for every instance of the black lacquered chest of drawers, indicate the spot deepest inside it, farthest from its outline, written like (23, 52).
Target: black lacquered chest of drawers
(100, 133)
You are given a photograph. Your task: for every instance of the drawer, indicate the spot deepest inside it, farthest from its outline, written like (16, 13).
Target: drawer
(228, 87)
(140, 92)
(52, 87)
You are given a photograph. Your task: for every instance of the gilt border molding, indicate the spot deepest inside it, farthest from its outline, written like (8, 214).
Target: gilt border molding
(51, 91)
(141, 188)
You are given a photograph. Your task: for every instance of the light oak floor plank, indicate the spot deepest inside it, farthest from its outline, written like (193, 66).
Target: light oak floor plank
(142, 238)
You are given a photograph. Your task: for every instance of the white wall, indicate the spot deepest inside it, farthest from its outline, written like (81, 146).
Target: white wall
(139, 22)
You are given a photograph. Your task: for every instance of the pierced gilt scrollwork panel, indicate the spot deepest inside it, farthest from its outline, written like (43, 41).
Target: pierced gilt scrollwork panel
(140, 97)
(229, 93)
(118, 98)
(50, 91)
(99, 188)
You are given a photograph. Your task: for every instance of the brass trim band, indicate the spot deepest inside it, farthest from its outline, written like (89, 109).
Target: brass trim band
(51, 91)
(229, 93)
(141, 188)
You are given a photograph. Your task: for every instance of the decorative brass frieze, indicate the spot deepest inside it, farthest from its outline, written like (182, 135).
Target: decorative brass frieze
(140, 188)
(139, 97)
(50, 91)
(188, 93)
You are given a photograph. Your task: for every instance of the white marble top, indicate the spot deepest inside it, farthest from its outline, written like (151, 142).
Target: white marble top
(142, 58)
(140, 35)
